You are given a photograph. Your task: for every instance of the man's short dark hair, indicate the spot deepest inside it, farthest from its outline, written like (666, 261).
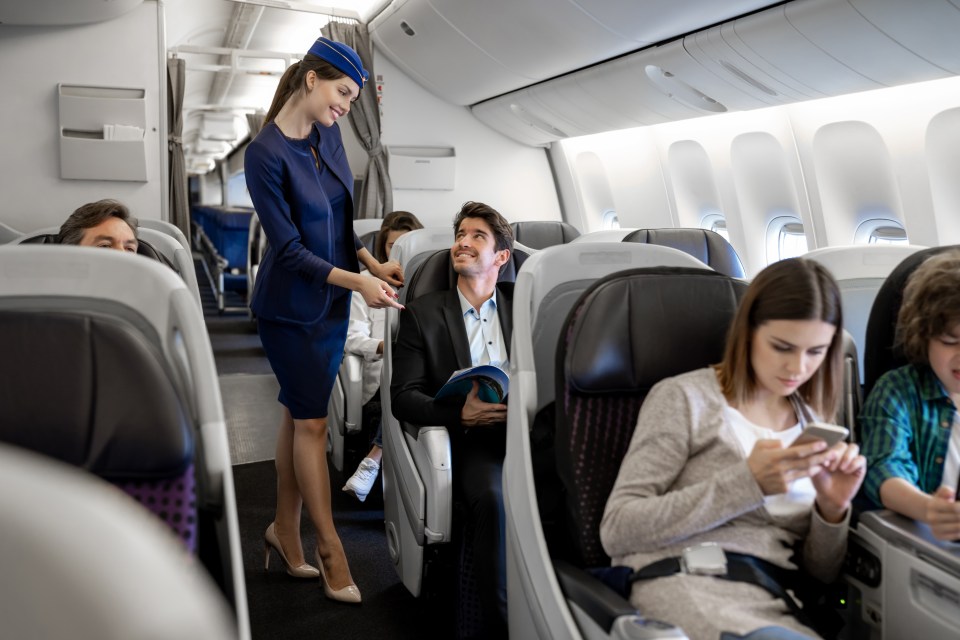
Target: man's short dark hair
(90, 215)
(502, 232)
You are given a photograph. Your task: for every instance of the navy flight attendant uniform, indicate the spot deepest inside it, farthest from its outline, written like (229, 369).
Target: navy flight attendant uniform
(302, 192)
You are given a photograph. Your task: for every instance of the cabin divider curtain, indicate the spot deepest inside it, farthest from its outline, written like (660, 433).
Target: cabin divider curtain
(376, 196)
(178, 200)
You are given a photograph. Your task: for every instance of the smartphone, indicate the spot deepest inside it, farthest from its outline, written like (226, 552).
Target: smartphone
(829, 433)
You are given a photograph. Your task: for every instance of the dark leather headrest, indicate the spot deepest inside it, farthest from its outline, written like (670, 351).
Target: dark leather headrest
(540, 234)
(634, 328)
(437, 274)
(709, 247)
(880, 355)
(92, 391)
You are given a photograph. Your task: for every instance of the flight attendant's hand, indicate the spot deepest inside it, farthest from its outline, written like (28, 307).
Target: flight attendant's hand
(378, 294)
(390, 271)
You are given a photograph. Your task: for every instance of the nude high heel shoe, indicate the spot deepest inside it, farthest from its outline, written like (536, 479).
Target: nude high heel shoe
(270, 540)
(349, 594)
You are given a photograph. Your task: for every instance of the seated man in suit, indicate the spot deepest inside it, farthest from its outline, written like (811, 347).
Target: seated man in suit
(440, 333)
(105, 223)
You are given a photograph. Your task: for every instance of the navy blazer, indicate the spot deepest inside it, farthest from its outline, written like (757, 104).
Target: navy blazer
(307, 238)
(432, 344)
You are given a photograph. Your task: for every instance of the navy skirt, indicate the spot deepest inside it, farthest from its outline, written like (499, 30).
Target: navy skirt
(306, 358)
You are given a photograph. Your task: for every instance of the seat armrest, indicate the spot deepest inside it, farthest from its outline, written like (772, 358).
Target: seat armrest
(598, 600)
(606, 609)
(431, 454)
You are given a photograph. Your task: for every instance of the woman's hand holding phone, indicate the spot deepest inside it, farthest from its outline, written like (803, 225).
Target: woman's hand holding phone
(841, 472)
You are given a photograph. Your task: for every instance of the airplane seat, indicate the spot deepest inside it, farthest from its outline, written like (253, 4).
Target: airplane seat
(413, 247)
(151, 243)
(540, 234)
(80, 560)
(709, 247)
(603, 376)
(368, 239)
(860, 270)
(906, 580)
(111, 408)
(879, 342)
(168, 228)
(417, 471)
(8, 234)
(546, 289)
(344, 416)
(852, 399)
(605, 235)
(222, 235)
(109, 367)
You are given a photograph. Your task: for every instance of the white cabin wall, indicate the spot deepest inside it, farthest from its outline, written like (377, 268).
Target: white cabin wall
(893, 149)
(123, 52)
(513, 178)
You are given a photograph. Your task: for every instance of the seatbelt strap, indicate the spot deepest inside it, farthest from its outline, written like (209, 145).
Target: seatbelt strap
(740, 568)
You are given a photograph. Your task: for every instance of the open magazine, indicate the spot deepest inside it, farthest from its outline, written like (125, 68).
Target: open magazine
(494, 383)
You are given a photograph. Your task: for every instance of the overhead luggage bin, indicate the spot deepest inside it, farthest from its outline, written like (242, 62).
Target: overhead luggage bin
(496, 42)
(796, 51)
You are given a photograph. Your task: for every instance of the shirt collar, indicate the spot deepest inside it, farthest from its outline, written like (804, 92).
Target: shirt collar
(465, 305)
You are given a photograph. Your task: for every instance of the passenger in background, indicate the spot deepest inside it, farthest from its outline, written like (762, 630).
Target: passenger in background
(365, 339)
(712, 461)
(440, 333)
(301, 186)
(104, 223)
(910, 426)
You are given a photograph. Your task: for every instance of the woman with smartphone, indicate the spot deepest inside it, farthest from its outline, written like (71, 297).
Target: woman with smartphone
(715, 505)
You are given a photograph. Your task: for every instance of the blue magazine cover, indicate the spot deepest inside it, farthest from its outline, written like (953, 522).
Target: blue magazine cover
(494, 383)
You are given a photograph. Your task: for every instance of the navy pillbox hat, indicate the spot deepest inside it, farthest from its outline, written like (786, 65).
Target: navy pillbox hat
(341, 57)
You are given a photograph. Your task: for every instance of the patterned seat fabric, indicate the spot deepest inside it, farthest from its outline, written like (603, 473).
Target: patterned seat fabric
(626, 333)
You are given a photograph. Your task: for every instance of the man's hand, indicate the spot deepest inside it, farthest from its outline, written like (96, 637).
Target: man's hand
(477, 413)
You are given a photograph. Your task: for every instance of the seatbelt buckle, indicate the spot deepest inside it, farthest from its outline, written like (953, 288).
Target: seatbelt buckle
(706, 559)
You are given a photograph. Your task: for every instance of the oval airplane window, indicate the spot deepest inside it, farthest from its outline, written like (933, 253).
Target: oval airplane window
(785, 239)
(880, 231)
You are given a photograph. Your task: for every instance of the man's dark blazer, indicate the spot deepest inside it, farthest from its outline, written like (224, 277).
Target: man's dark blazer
(432, 344)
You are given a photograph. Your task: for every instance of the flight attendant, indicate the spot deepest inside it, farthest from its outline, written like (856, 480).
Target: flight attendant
(301, 186)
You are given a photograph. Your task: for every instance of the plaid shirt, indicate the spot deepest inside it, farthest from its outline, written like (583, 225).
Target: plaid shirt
(906, 423)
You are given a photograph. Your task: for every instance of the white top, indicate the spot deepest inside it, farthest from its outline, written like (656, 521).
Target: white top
(364, 334)
(801, 494)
